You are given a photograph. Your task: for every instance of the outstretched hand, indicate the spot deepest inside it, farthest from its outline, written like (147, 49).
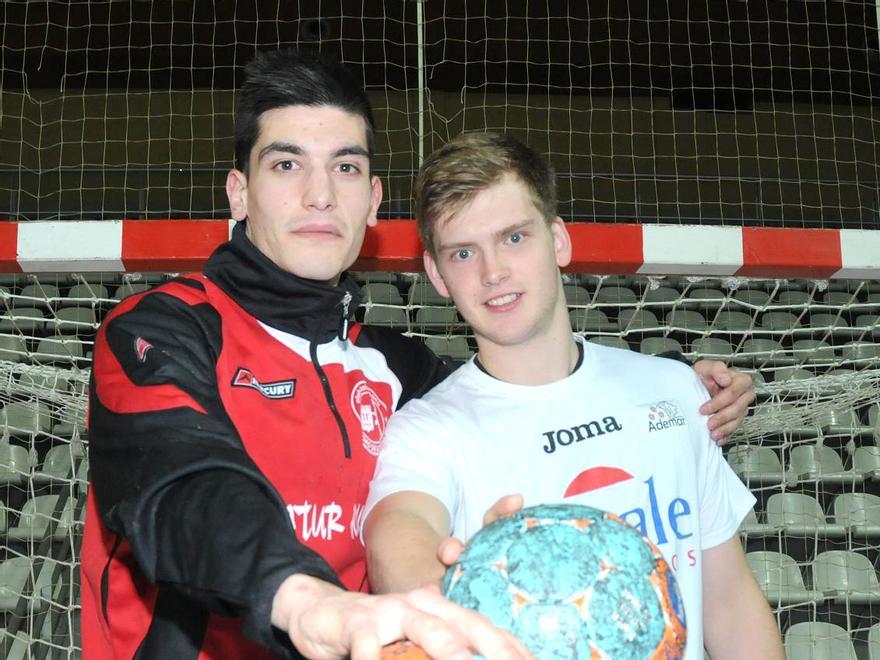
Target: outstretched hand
(325, 622)
(731, 391)
(450, 548)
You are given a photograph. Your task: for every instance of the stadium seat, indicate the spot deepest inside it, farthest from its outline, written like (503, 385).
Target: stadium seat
(866, 461)
(686, 320)
(612, 342)
(15, 463)
(615, 295)
(662, 295)
(438, 318)
(40, 295)
(704, 299)
(839, 298)
(732, 321)
(590, 320)
(29, 321)
(792, 298)
(859, 513)
(779, 321)
(654, 345)
(756, 465)
(867, 326)
(391, 317)
(58, 464)
(129, 288)
(874, 642)
(25, 419)
(842, 421)
(452, 347)
(423, 292)
(752, 298)
(846, 576)
(381, 293)
(792, 374)
(74, 321)
(817, 640)
(762, 351)
(860, 351)
(82, 477)
(13, 348)
(780, 578)
(713, 348)
(821, 463)
(637, 320)
(824, 322)
(812, 351)
(576, 295)
(800, 515)
(750, 526)
(15, 574)
(58, 350)
(35, 520)
(85, 294)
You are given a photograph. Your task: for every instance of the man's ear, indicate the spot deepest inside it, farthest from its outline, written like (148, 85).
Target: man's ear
(236, 192)
(561, 242)
(434, 274)
(376, 184)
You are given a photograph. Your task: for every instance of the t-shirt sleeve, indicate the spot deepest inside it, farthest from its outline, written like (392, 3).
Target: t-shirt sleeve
(724, 499)
(417, 454)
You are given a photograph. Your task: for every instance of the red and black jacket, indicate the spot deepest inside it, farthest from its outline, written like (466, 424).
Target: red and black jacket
(234, 422)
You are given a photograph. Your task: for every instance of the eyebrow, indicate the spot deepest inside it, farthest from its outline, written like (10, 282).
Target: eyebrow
(296, 150)
(501, 233)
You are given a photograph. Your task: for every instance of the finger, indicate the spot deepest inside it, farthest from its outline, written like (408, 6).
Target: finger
(449, 551)
(505, 506)
(737, 410)
(722, 434)
(365, 645)
(721, 400)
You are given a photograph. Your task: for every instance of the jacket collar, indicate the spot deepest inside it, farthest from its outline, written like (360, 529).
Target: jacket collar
(279, 299)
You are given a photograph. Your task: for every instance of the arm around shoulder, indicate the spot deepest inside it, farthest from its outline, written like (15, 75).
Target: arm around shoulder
(737, 621)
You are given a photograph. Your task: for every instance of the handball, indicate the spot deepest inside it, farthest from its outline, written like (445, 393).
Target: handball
(572, 581)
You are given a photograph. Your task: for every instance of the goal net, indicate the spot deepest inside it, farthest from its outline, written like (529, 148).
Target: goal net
(666, 123)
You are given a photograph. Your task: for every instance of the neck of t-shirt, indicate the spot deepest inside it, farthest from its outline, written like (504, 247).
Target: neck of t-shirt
(577, 364)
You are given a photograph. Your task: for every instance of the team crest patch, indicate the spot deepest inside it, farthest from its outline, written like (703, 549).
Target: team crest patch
(664, 415)
(372, 413)
(279, 389)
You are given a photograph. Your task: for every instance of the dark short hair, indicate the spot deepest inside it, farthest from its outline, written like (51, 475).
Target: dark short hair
(287, 77)
(454, 174)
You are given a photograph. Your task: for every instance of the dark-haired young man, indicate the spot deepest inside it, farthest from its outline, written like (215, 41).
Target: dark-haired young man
(236, 414)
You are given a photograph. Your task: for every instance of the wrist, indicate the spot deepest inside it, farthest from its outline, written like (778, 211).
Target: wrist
(297, 594)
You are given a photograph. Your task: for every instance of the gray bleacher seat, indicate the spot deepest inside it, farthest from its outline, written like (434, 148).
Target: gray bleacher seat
(812, 461)
(13, 348)
(22, 320)
(780, 578)
(812, 351)
(662, 295)
(637, 320)
(616, 295)
(860, 351)
(874, 642)
(752, 297)
(866, 326)
(14, 574)
(817, 640)
(423, 292)
(704, 299)
(779, 321)
(85, 295)
(438, 318)
(839, 298)
(654, 345)
(611, 342)
(59, 349)
(842, 421)
(74, 321)
(381, 293)
(686, 320)
(590, 320)
(39, 295)
(576, 295)
(15, 463)
(762, 352)
(866, 462)
(25, 419)
(847, 577)
(751, 527)
(392, 317)
(129, 288)
(792, 298)
(800, 515)
(58, 464)
(37, 519)
(756, 465)
(455, 347)
(713, 348)
(823, 323)
(732, 321)
(859, 513)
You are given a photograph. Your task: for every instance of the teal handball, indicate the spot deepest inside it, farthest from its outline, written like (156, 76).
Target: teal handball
(572, 581)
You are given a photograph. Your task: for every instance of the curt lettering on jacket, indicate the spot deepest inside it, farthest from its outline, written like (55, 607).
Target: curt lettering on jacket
(279, 389)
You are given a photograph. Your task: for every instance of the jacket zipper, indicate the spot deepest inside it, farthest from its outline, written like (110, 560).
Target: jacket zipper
(328, 393)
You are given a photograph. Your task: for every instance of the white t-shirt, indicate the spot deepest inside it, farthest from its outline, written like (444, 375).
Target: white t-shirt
(622, 433)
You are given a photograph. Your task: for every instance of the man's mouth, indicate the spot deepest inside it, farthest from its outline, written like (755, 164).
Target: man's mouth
(503, 300)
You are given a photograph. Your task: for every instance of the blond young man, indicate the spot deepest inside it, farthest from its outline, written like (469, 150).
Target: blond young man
(540, 412)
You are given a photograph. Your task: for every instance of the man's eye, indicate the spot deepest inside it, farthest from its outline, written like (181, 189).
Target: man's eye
(461, 254)
(516, 237)
(285, 165)
(348, 168)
